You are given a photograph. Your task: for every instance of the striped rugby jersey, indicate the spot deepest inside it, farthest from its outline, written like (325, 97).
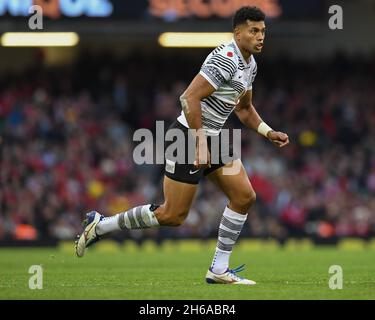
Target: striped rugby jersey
(228, 72)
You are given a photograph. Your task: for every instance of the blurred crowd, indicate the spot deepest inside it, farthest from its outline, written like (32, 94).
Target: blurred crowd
(66, 142)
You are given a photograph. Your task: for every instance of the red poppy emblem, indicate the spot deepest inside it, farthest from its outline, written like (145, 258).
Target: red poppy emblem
(230, 54)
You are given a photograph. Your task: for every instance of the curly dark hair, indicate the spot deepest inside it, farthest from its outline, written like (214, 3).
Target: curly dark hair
(251, 13)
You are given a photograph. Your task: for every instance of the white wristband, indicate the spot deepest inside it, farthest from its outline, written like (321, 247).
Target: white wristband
(264, 128)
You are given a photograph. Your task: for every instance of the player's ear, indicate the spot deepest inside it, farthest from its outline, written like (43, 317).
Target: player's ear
(236, 32)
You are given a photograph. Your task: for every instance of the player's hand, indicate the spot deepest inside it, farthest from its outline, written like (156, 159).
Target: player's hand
(278, 138)
(202, 155)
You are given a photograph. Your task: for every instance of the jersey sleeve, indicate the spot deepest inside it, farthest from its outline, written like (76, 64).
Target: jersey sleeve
(252, 76)
(219, 68)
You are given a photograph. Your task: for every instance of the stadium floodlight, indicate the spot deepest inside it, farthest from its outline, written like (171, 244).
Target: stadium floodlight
(194, 39)
(39, 39)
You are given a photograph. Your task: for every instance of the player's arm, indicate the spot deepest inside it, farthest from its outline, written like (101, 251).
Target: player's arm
(198, 89)
(247, 114)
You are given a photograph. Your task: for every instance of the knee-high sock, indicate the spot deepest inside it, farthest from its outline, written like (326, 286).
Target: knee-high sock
(141, 217)
(229, 230)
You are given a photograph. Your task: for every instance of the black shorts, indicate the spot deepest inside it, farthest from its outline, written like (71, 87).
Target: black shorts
(185, 171)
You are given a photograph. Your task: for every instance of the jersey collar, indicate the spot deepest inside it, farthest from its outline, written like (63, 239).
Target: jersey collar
(238, 51)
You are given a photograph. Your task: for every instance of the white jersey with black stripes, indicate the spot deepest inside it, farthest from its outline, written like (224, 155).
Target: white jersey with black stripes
(229, 73)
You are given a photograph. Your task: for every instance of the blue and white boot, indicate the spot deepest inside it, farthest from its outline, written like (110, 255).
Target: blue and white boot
(88, 236)
(228, 277)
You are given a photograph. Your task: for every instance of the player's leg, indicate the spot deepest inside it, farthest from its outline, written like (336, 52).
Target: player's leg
(241, 195)
(178, 198)
(236, 187)
(180, 185)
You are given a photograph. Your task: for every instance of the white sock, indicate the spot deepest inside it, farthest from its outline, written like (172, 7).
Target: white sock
(108, 224)
(141, 217)
(229, 230)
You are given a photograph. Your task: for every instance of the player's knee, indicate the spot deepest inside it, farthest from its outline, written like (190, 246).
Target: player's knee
(246, 199)
(172, 218)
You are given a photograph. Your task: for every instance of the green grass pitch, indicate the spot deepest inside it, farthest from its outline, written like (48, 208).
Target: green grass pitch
(176, 272)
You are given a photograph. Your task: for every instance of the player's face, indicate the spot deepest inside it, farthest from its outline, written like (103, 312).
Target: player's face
(251, 36)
